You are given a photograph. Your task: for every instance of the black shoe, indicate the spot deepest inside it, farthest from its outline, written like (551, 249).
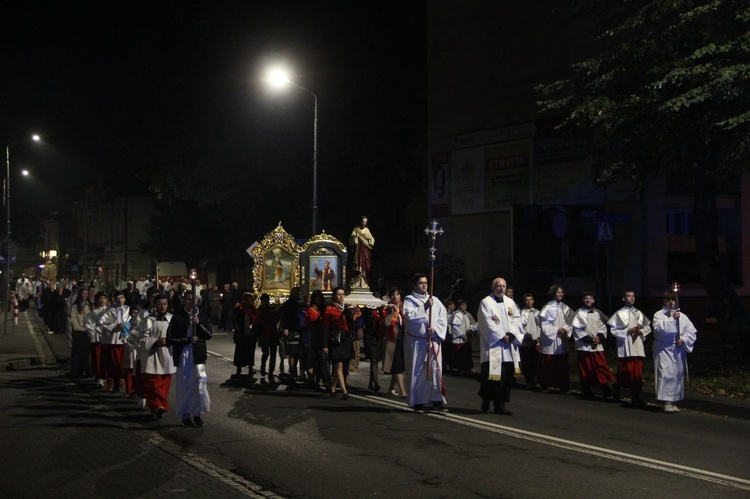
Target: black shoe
(606, 391)
(587, 393)
(439, 408)
(187, 422)
(418, 409)
(345, 396)
(616, 393)
(199, 422)
(485, 407)
(160, 413)
(503, 411)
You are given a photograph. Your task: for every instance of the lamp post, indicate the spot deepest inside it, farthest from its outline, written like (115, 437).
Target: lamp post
(279, 78)
(6, 202)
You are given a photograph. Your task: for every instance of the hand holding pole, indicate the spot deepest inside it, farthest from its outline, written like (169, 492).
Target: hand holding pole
(193, 305)
(676, 289)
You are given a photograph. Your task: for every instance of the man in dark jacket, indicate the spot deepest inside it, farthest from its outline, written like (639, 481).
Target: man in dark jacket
(289, 325)
(132, 295)
(188, 334)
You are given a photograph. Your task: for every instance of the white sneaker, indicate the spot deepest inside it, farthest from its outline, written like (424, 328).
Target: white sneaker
(669, 408)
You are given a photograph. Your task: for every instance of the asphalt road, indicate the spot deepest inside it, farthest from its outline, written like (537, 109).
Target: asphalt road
(301, 443)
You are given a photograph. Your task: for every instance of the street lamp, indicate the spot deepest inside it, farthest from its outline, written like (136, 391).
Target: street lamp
(279, 78)
(6, 202)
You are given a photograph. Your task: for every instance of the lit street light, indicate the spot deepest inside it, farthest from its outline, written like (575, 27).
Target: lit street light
(6, 202)
(279, 78)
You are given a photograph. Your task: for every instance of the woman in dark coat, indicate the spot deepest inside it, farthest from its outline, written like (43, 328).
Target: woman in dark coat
(244, 336)
(58, 318)
(340, 341)
(318, 341)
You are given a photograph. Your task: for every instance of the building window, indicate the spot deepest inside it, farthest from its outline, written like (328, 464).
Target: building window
(680, 222)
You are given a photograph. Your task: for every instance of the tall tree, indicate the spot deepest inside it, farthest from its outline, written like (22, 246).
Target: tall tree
(668, 91)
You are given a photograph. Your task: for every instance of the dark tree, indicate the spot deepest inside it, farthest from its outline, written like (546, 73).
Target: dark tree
(668, 91)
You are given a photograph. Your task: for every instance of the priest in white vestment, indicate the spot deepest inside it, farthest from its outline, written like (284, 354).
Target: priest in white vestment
(499, 323)
(426, 321)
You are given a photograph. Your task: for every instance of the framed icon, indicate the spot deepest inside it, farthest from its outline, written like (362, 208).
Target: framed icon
(276, 265)
(322, 264)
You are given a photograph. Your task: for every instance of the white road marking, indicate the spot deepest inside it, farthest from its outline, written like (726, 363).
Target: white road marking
(219, 356)
(646, 462)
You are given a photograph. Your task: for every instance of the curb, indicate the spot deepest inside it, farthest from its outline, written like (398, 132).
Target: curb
(20, 364)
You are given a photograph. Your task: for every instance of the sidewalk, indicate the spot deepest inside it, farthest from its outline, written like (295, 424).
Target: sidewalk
(59, 440)
(22, 345)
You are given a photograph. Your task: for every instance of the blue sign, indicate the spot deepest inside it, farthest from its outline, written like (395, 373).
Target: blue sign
(614, 218)
(604, 233)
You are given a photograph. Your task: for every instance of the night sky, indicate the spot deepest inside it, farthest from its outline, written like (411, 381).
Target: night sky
(116, 88)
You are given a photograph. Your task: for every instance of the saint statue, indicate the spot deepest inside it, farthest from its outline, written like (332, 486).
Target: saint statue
(362, 241)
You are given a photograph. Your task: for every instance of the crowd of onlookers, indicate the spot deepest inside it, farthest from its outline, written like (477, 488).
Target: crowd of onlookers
(53, 297)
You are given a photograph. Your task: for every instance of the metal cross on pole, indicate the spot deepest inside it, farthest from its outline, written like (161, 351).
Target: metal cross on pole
(434, 231)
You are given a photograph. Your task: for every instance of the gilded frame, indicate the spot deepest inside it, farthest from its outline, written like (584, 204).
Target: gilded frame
(320, 249)
(276, 265)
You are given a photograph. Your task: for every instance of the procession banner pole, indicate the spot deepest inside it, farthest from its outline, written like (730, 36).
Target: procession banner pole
(194, 305)
(432, 230)
(676, 289)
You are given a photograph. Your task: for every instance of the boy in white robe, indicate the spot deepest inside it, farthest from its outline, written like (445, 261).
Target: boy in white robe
(529, 349)
(426, 323)
(555, 319)
(157, 365)
(672, 343)
(590, 333)
(461, 325)
(630, 326)
(112, 322)
(92, 324)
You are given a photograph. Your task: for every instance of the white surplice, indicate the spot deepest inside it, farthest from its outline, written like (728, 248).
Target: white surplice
(670, 360)
(553, 316)
(423, 367)
(629, 345)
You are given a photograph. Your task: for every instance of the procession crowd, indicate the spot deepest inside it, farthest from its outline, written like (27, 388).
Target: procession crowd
(139, 338)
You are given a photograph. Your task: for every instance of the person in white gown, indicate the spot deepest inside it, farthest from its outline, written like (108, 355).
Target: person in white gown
(426, 321)
(674, 338)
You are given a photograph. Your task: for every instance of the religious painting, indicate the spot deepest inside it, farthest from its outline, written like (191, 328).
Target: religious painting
(276, 265)
(323, 275)
(278, 269)
(322, 264)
